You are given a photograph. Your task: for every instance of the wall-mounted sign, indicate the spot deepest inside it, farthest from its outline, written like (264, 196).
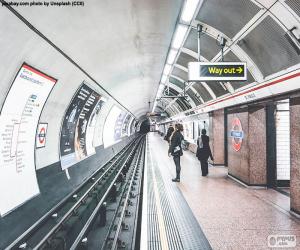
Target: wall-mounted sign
(18, 127)
(237, 134)
(78, 126)
(41, 135)
(217, 71)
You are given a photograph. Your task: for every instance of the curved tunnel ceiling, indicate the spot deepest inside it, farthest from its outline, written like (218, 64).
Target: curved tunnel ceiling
(121, 44)
(256, 33)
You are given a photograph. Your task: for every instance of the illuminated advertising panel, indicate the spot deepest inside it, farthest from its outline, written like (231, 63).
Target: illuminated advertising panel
(188, 131)
(118, 126)
(109, 137)
(18, 127)
(78, 126)
(125, 125)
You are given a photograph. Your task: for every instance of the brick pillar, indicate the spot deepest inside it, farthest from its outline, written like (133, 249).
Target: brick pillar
(295, 155)
(217, 136)
(248, 164)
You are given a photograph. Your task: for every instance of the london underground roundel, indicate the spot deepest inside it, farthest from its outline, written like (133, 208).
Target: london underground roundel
(237, 134)
(42, 135)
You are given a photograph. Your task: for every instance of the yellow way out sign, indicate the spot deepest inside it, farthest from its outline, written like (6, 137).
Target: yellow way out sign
(217, 71)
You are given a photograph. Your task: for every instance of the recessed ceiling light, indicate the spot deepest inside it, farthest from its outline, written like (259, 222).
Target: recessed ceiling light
(172, 56)
(167, 69)
(179, 36)
(163, 78)
(189, 10)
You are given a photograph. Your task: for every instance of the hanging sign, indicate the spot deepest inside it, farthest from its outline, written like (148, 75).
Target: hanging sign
(217, 71)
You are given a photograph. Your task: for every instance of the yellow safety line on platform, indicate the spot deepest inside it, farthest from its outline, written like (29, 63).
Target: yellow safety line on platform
(161, 222)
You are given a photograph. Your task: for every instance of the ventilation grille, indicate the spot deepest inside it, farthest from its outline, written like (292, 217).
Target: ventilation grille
(217, 88)
(224, 12)
(180, 73)
(209, 47)
(294, 5)
(176, 82)
(269, 48)
(184, 59)
(191, 94)
(202, 92)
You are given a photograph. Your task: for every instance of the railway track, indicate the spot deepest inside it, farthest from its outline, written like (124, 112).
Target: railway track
(95, 210)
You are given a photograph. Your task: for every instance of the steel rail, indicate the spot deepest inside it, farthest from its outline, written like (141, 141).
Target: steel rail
(23, 238)
(118, 229)
(95, 212)
(59, 224)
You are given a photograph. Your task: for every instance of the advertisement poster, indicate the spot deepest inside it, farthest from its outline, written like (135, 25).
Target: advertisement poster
(18, 127)
(125, 125)
(188, 131)
(76, 136)
(41, 135)
(90, 131)
(130, 126)
(118, 126)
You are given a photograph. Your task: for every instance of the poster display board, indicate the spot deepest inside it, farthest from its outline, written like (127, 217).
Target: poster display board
(41, 135)
(19, 119)
(188, 131)
(130, 126)
(125, 125)
(77, 131)
(109, 132)
(118, 126)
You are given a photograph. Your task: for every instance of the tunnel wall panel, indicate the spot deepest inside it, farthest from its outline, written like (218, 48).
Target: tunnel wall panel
(23, 45)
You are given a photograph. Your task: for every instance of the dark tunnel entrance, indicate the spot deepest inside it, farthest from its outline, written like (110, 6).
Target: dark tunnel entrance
(145, 126)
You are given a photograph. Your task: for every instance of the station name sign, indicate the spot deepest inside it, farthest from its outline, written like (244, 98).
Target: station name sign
(217, 71)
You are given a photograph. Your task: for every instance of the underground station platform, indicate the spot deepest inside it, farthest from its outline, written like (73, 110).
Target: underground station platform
(150, 124)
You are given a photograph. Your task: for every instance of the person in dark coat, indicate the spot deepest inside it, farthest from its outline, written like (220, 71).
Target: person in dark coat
(175, 149)
(169, 133)
(204, 152)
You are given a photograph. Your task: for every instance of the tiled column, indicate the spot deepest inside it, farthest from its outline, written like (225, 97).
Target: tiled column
(238, 161)
(295, 154)
(217, 136)
(257, 146)
(249, 163)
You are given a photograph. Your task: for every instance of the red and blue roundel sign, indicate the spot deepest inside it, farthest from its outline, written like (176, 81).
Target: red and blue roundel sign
(237, 134)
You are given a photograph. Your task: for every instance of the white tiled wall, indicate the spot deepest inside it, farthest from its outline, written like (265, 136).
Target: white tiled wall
(283, 141)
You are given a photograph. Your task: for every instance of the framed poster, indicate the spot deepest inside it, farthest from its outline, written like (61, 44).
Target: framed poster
(18, 126)
(41, 135)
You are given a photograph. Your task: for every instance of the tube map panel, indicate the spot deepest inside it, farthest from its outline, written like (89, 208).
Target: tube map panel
(18, 125)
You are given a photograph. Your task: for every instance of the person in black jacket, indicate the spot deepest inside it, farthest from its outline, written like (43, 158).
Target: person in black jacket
(175, 149)
(169, 133)
(203, 152)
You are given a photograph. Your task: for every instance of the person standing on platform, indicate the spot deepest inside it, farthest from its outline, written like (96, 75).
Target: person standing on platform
(169, 133)
(204, 152)
(175, 149)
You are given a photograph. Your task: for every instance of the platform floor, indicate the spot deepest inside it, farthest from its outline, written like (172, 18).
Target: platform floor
(230, 215)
